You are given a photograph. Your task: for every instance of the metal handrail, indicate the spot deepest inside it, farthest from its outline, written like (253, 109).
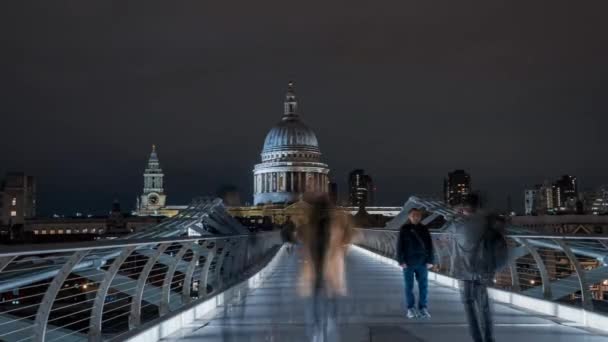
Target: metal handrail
(160, 274)
(549, 265)
(513, 235)
(37, 249)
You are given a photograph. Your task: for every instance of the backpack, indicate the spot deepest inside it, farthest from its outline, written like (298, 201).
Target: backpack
(495, 247)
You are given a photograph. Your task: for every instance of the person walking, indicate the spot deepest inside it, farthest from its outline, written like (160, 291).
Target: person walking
(415, 255)
(325, 238)
(288, 235)
(479, 250)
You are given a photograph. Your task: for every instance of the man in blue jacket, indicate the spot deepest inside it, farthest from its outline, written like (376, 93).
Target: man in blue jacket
(415, 255)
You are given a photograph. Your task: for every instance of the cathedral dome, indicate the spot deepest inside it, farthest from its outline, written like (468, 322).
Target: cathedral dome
(290, 134)
(291, 163)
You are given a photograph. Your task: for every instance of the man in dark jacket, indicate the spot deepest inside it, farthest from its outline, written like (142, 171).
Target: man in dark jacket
(476, 241)
(415, 255)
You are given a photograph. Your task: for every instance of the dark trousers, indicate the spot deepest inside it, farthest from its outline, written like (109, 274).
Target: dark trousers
(478, 311)
(422, 277)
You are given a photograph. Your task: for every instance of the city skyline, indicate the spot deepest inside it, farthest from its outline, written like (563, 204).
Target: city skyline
(83, 103)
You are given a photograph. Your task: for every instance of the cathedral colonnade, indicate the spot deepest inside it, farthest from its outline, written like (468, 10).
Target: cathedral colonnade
(291, 182)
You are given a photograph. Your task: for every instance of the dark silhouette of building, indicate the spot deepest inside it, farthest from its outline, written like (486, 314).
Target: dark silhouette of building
(230, 195)
(17, 199)
(360, 189)
(457, 186)
(79, 228)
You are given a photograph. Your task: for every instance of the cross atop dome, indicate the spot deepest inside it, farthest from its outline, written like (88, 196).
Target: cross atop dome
(291, 104)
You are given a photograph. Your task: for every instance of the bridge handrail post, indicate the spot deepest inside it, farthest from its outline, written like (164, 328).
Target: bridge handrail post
(44, 310)
(166, 287)
(587, 300)
(204, 275)
(136, 300)
(95, 325)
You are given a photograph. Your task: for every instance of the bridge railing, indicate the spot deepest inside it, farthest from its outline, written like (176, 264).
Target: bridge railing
(571, 270)
(101, 290)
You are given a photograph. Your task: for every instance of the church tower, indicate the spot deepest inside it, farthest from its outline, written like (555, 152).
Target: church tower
(153, 197)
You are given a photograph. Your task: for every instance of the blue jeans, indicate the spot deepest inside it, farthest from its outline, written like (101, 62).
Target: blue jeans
(422, 277)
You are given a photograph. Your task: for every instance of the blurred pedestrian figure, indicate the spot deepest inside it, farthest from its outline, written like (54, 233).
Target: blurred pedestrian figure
(325, 239)
(415, 255)
(288, 235)
(479, 249)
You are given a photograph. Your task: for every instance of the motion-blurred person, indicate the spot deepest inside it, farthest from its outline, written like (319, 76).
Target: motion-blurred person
(288, 235)
(415, 255)
(479, 249)
(325, 239)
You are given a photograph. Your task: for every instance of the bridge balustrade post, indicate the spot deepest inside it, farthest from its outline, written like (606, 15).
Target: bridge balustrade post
(187, 287)
(204, 275)
(515, 283)
(235, 251)
(95, 324)
(44, 310)
(219, 264)
(541, 267)
(166, 288)
(241, 259)
(586, 299)
(136, 300)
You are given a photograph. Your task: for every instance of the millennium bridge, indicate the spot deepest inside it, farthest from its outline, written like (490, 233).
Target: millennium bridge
(201, 275)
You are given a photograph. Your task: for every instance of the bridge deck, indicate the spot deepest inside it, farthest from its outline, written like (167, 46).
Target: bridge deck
(372, 312)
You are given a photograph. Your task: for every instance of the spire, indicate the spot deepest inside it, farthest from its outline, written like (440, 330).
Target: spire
(291, 104)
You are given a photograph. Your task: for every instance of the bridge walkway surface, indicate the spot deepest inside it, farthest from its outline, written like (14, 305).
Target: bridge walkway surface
(373, 311)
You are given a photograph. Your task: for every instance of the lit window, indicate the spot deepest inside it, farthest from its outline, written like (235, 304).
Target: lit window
(36, 232)
(68, 231)
(93, 230)
(14, 201)
(43, 232)
(13, 213)
(85, 230)
(52, 231)
(60, 231)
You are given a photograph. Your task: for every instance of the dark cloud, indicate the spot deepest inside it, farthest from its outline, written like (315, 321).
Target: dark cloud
(512, 91)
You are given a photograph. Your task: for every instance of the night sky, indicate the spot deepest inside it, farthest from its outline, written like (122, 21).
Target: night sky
(512, 91)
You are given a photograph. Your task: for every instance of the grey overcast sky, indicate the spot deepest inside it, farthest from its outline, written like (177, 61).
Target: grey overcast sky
(512, 91)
